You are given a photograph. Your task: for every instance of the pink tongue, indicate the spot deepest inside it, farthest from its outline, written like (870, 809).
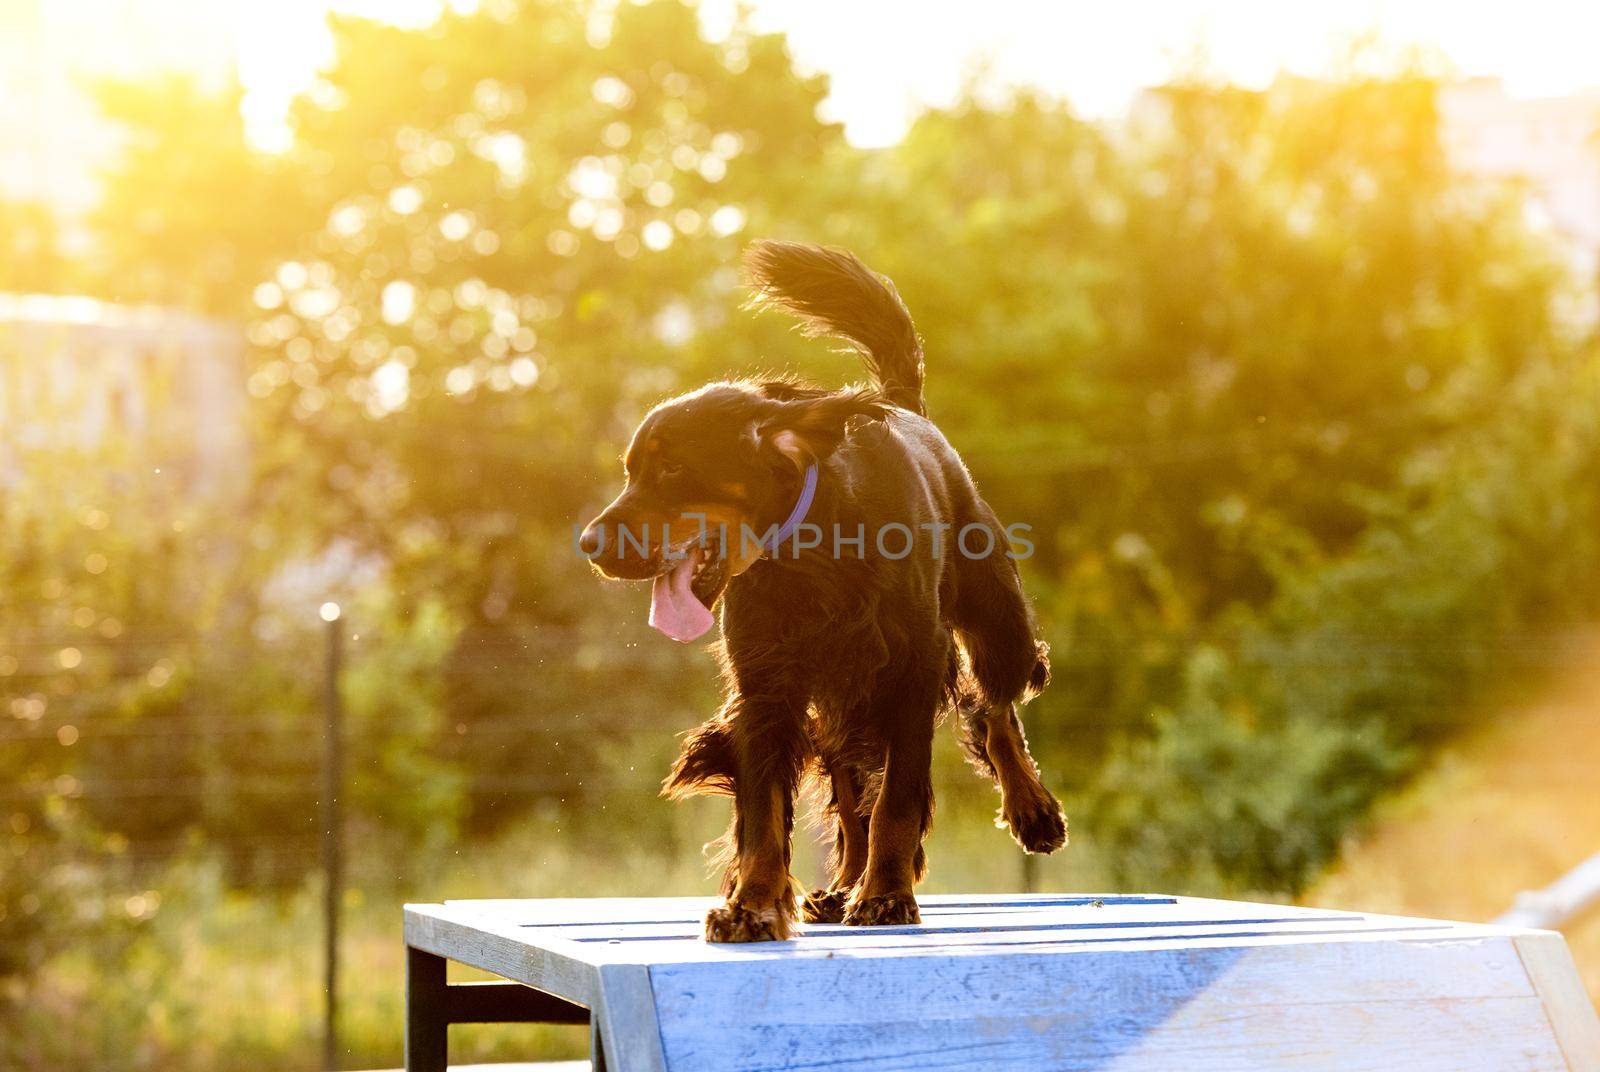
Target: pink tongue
(673, 608)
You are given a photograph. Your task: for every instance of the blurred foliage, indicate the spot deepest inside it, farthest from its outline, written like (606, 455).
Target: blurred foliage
(191, 216)
(32, 257)
(1308, 452)
(1363, 663)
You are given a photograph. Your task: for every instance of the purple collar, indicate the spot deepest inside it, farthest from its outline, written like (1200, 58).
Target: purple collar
(808, 492)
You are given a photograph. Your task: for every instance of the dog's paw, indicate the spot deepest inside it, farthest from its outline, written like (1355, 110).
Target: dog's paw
(1039, 825)
(737, 923)
(885, 910)
(824, 906)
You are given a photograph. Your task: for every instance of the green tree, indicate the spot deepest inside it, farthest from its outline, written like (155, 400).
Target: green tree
(1209, 358)
(527, 237)
(1194, 356)
(32, 259)
(192, 215)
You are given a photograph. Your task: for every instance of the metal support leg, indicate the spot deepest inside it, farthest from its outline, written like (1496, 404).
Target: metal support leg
(427, 1013)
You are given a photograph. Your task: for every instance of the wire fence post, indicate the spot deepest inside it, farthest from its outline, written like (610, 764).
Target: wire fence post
(332, 841)
(1030, 873)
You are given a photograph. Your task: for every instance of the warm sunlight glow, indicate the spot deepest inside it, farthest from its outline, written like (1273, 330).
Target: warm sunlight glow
(282, 45)
(1240, 358)
(1097, 58)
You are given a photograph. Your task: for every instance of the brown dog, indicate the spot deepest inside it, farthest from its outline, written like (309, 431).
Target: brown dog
(865, 585)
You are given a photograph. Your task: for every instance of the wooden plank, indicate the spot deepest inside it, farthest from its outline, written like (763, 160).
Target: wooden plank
(1555, 978)
(630, 1034)
(862, 944)
(637, 920)
(634, 919)
(554, 965)
(837, 941)
(823, 935)
(1483, 1036)
(578, 910)
(1458, 1005)
(866, 989)
(1130, 982)
(690, 911)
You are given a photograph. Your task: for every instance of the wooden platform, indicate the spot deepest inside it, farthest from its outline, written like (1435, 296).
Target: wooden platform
(1024, 983)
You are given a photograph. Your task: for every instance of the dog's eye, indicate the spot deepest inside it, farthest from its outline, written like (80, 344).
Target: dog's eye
(671, 469)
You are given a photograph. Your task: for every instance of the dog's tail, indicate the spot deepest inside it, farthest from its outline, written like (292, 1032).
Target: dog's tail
(706, 764)
(833, 293)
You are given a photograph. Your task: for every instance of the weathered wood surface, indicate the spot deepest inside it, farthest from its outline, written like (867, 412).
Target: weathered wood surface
(1040, 982)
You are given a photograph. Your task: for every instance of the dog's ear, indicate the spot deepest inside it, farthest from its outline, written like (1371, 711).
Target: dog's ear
(807, 430)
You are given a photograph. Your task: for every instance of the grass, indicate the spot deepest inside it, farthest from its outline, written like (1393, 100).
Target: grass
(221, 979)
(1508, 808)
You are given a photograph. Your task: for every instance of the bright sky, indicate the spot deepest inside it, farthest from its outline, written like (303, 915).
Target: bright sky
(888, 57)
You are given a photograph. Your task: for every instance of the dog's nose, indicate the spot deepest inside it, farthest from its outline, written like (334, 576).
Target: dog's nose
(593, 538)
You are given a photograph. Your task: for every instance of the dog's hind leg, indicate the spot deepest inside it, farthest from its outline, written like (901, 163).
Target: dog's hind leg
(995, 742)
(905, 706)
(1004, 665)
(848, 857)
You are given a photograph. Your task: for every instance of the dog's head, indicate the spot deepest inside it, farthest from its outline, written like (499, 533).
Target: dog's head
(707, 474)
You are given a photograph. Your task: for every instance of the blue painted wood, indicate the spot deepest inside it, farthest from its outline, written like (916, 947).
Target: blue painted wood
(1048, 1010)
(1129, 982)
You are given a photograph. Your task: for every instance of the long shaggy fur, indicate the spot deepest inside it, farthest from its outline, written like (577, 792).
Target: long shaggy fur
(837, 662)
(834, 294)
(706, 763)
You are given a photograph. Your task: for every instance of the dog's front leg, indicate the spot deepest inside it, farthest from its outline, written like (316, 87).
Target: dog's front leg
(849, 856)
(769, 746)
(902, 812)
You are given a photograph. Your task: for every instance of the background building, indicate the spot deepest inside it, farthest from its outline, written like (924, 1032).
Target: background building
(1551, 143)
(79, 375)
